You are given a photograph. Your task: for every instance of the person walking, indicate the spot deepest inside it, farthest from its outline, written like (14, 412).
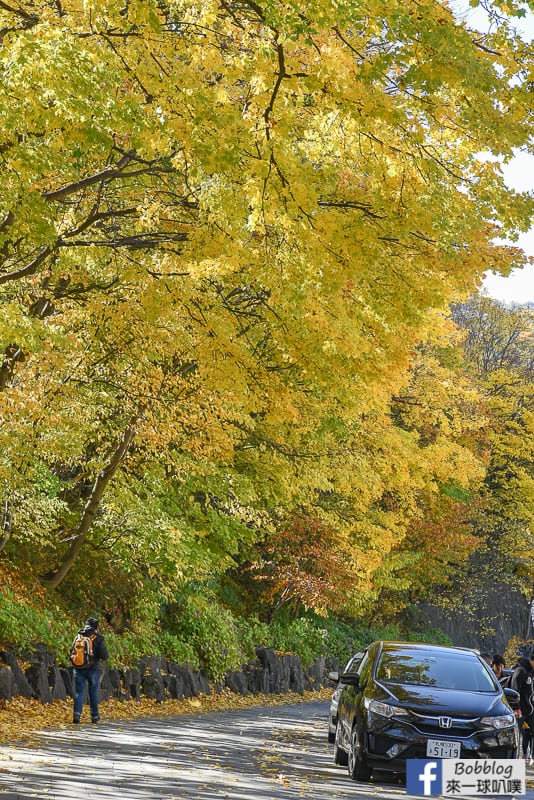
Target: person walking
(522, 681)
(88, 650)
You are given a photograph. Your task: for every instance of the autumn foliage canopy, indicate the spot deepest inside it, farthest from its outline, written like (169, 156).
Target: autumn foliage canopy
(230, 234)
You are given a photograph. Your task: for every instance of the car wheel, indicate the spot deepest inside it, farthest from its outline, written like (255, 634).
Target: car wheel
(340, 756)
(358, 768)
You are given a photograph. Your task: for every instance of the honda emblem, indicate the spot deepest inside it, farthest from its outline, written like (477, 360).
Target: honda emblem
(445, 722)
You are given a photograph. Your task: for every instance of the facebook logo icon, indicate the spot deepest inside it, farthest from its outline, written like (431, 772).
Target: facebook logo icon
(423, 776)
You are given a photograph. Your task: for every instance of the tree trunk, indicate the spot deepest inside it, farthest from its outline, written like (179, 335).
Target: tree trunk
(53, 579)
(5, 530)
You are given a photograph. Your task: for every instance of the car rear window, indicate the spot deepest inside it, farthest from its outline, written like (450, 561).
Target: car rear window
(441, 670)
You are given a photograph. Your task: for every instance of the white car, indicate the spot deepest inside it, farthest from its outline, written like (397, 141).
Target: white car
(351, 666)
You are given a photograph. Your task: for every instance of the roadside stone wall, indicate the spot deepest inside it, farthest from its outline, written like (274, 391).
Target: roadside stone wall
(487, 616)
(155, 677)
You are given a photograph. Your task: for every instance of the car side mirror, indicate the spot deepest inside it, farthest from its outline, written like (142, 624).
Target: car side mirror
(333, 676)
(512, 696)
(350, 678)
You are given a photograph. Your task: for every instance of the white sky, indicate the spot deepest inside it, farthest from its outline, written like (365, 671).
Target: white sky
(518, 287)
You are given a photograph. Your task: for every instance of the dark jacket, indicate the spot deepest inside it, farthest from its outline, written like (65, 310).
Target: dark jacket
(100, 651)
(523, 682)
(506, 677)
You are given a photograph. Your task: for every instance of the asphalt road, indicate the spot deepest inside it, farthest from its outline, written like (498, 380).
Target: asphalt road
(278, 753)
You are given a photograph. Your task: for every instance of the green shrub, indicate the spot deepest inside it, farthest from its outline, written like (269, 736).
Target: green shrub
(342, 639)
(392, 632)
(395, 632)
(430, 636)
(22, 624)
(212, 633)
(302, 636)
(251, 634)
(175, 649)
(199, 631)
(312, 636)
(127, 648)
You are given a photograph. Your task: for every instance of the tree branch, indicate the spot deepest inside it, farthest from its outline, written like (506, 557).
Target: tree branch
(93, 505)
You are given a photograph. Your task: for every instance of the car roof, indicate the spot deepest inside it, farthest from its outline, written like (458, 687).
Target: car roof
(423, 647)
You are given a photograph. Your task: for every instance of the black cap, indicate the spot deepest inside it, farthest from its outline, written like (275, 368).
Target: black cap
(91, 622)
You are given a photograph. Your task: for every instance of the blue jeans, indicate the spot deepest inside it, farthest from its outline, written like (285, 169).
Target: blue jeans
(91, 676)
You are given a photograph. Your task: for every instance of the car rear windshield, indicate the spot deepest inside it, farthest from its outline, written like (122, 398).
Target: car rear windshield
(442, 670)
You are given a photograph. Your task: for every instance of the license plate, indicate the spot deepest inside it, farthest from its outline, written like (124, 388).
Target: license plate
(436, 748)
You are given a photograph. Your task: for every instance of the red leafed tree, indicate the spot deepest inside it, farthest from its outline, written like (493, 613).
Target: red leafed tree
(433, 557)
(304, 565)
(444, 538)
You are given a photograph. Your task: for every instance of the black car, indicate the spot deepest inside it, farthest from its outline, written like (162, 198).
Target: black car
(411, 700)
(351, 666)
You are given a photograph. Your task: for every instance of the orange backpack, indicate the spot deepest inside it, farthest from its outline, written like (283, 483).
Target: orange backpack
(81, 652)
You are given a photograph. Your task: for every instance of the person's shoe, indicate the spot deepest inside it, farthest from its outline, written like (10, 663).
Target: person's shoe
(95, 720)
(75, 720)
